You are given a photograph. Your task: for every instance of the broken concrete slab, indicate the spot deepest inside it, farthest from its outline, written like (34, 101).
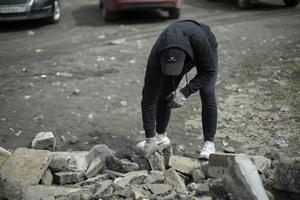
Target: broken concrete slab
(262, 163)
(63, 178)
(44, 140)
(47, 178)
(158, 189)
(121, 165)
(173, 179)
(200, 188)
(135, 177)
(76, 161)
(167, 152)
(198, 176)
(24, 167)
(242, 180)
(287, 175)
(113, 173)
(4, 153)
(101, 151)
(157, 161)
(95, 167)
(185, 165)
(42, 192)
(104, 190)
(155, 177)
(93, 180)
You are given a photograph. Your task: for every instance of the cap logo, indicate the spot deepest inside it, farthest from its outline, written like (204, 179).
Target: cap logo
(172, 59)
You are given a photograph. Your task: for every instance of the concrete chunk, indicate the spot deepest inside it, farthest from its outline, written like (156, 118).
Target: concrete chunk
(47, 178)
(24, 167)
(158, 189)
(93, 181)
(44, 140)
(101, 151)
(242, 180)
(184, 164)
(198, 176)
(200, 188)
(105, 189)
(261, 163)
(157, 161)
(136, 177)
(155, 177)
(95, 167)
(121, 165)
(287, 175)
(173, 179)
(4, 153)
(63, 178)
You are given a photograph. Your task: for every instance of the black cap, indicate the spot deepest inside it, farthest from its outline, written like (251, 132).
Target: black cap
(172, 61)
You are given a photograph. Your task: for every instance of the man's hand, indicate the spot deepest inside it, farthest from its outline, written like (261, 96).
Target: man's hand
(176, 99)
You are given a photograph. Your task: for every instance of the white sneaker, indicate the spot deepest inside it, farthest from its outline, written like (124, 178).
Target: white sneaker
(207, 149)
(159, 140)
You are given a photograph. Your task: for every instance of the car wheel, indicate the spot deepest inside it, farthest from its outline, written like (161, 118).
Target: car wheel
(244, 4)
(174, 13)
(291, 3)
(56, 13)
(108, 15)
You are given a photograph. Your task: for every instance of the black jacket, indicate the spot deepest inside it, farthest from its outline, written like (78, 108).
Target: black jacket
(198, 42)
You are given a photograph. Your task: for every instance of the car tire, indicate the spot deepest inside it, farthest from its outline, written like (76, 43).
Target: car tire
(244, 4)
(174, 13)
(108, 15)
(291, 3)
(56, 13)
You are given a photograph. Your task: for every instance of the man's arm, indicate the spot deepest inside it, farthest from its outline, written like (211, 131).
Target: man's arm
(206, 67)
(150, 97)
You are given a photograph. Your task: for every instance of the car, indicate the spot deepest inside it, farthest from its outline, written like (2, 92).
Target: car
(245, 4)
(15, 10)
(110, 8)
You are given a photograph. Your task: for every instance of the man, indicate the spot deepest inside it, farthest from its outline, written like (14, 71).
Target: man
(180, 47)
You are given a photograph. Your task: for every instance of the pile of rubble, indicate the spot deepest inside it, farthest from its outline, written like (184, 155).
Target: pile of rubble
(35, 174)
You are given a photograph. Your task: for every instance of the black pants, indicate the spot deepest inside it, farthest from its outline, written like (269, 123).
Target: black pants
(208, 99)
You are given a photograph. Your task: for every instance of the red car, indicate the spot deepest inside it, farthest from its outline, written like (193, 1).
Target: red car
(111, 7)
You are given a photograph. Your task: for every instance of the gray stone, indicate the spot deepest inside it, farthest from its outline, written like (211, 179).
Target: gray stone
(228, 149)
(4, 153)
(173, 179)
(205, 167)
(76, 161)
(198, 176)
(42, 192)
(140, 192)
(113, 173)
(262, 163)
(121, 165)
(101, 151)
(167, 153)
(93, 181)
(157, 161)
(104, 189)
(135, 177)
(287, 175)
(74, 139)
(184, 164)
(63, 178)
(155, 177)
(219, 164)
(158, 189)
(44, 140)
(199, 188)
(47, 178)
(24, 167)
(242, 180)
(95, 167)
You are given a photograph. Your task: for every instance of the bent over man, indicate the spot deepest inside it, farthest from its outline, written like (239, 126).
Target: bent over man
(180, 47)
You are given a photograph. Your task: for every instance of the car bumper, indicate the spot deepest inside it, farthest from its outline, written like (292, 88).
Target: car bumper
(143, 5)
(32, 11)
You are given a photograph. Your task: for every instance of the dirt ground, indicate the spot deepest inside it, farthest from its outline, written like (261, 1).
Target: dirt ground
(67, 78)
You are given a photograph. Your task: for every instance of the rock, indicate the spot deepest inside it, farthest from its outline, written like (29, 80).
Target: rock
(140, 192)
(167, 153)
(101, 151)
(117, 42)
(219, 164)
(155, 177)
(42, 192)
(113, 173)
(228, 149)
(104, 190)
(47, 178)
(24, 167)
(93, 181)
(199, 188)
(44, 140)
(4, 153)
(287, 175)
(198, 176)
(184, 164)
(157, 161)
(63, 178)
(121, 165)
(76, 161)
(95, 167)
(262, 163)
(158, 189)
(135, 177)
(74, 139)
(173, 179)
(204, 167)
(242, 180)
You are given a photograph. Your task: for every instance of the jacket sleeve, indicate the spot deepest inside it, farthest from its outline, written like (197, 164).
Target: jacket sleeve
(150, 96)
(205, 64)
